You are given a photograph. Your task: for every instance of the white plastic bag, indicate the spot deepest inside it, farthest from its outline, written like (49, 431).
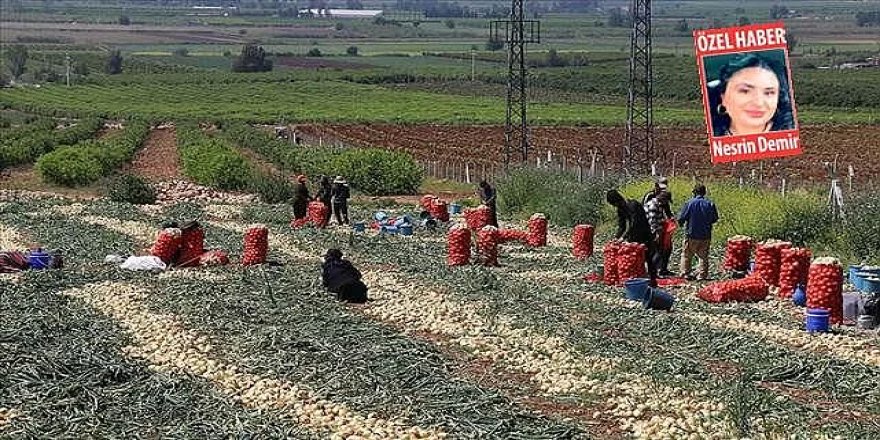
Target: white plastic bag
(143, 263)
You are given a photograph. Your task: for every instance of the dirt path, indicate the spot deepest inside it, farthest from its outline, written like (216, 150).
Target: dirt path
(258, 161)
(158, 159)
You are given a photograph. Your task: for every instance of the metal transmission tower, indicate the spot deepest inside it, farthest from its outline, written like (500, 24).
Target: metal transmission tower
(639, 148)
(517, 32)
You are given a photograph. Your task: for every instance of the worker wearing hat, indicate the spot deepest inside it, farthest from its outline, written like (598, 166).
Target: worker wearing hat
(658, 205)
(340, 193)
(301, 198)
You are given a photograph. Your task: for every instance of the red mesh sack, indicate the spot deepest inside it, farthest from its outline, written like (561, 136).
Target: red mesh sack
(508, 235)
(825, 287)
(749, 289)
(167, 244)
(214, 258)
(582, 241)
(768, 260)
(317, 214)
(537, 230)
(794, 269)
(256, 245)
(298, 223)
(609, 263)
(439, 210)
(192, 246)
(631, 261)
(458, 242)
(487, 245)
(425, 201)
(477, 218)
(738, 253)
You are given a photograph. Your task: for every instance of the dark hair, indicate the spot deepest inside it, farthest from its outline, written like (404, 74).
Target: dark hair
(614, 198)
(700, 190)
(333, 254)
(783, 119)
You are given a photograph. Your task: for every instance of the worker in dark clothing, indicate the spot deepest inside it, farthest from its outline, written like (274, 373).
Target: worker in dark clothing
(339, 195)
(325, 196)
(301, 198)
(342, 278)
(487, 197)
(632, 226)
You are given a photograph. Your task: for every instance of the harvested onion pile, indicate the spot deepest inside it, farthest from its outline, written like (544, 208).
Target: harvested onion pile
(167, 244)
(487, 245)
(768, 259)
(425, 201)
(317, 214)
(631, 261)
(825, 287)
(609, 263)
(582, 241)
(749, 289)
(256, 245)
(794, 270)
(537, 230)
(508, 235)
(458, 246)
(477, 218)
(738, 253)
(214, 258)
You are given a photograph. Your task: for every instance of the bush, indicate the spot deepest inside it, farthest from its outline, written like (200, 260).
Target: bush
(564, 200)
(131, 189)
(378, 172)
(859, 234)
(314, 52)
(272, 188)
(352, 51)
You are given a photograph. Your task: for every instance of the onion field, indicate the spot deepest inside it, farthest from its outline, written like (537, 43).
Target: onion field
(525, 350)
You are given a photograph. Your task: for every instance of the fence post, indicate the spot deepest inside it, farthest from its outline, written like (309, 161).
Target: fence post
(467, 173)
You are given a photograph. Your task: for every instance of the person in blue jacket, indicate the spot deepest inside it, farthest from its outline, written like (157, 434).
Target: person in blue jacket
(698, 216)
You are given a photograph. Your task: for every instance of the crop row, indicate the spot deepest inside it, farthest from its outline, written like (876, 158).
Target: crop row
(26, 144)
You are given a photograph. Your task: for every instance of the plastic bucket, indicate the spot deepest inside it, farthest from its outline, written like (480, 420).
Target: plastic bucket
(454, 208)
(391, 230)
(380, 216)
(865, 322)
(852, 306)
(799, 297)
(636, 288)
(359, 227)
(405, 229)
(869, 282)
(817, 320)
(658, 300)
(38, 260)
(854, 269)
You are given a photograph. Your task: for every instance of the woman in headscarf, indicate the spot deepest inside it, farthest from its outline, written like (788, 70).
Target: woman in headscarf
(301, 198)
(340, 195)
(342, 278)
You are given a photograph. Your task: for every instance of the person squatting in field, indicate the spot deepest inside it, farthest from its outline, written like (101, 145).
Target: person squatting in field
(632, 226)
(342, 278)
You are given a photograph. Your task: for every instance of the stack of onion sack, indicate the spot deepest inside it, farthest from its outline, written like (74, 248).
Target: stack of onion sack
(609, 263)
(749, 289)
(487, 245)
(214, 258)
(794, 270)
(768, 259)
(167, 244)
(458, 242)
(317, 214)
(192, 245)
(256, 245)
(738, 253)
(477, 218)
(631, 261)
(825, 287)
(439, 210)
(507, 235)
(537, 230)
(582, 241)
(425, 201)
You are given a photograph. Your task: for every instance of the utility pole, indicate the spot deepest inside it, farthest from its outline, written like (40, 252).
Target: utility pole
(517, 32)
(638, 151)
(473, 64)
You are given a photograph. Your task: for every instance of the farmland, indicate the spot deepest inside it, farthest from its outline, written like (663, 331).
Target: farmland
(529, 349)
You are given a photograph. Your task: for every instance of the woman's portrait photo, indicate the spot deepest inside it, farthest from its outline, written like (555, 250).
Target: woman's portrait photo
(748, 93)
